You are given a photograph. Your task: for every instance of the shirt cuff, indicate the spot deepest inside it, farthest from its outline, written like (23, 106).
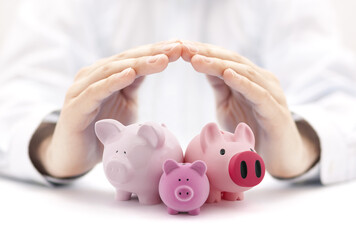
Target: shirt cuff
(16, 160)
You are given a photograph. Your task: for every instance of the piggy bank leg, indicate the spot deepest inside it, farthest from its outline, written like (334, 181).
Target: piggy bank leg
(233, 196)
(149, 199)
(230, 196)
(241, 196)
(172, 211)
(122, 195)
(194, 212)
(214, 195)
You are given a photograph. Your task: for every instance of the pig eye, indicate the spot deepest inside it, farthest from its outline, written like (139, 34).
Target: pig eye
(252, 150)
(187, 179)
(179, 179)
(117, 151)
(222, 151)
(124, 152)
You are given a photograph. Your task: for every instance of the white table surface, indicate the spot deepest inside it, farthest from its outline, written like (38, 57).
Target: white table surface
(86, 209)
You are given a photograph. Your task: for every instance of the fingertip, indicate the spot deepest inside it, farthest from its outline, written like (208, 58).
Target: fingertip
(230, 77)
(173, 51)
(197, 59)
(130, 73)
(158, 60)
(199, 63)
(156, 63)
(196, 64)
(229, 74)
(186, 54)
(163, 61)
(163, 57)
(189, 50)
(127, 76)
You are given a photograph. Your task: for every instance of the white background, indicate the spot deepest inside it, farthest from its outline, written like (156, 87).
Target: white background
(87, 210)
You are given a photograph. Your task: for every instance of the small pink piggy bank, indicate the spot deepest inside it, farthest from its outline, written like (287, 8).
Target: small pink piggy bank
(184, 187)
(133, 157)
(233, 165)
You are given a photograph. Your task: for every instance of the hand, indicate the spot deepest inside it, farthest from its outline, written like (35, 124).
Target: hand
(106, 89)
(247, 93)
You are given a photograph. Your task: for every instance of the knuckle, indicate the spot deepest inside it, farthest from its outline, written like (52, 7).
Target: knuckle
(87, 92)
(236, 58)
(119, 56)
(266, 95)
(136, 62)
(71, 92)
(90, 91)
(272, 76)
(250, 71)
(226, 64)
(281, 98)
(248, 84)
(209, 52)
(81, 72)
(68, 96)
(154, 48)
(105, 68)
(106, 83)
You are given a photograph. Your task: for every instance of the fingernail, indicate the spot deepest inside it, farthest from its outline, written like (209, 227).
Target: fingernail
(191, 47)
(170, 46)
(153, 59)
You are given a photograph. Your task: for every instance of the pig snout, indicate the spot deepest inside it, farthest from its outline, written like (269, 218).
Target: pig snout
(117, 172)
(184, 193)
(246, 169)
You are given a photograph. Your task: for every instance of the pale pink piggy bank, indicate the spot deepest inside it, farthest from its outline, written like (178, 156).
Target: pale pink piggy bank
(233, 165)
(133, 157)
(184, 187)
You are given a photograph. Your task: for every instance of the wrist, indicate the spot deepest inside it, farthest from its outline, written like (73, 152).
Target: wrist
(298, 152)
(68, 154)
(289, 149)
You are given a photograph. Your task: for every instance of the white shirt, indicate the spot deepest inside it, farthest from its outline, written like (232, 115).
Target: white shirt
(296, 40)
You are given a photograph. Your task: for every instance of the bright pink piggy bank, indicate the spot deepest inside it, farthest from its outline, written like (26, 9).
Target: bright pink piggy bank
(133, 157)
(233, 165)
(184, 187)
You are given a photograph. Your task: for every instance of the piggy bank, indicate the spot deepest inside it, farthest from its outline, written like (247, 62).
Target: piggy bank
(233, 165)
(133, 157)
(184, 187)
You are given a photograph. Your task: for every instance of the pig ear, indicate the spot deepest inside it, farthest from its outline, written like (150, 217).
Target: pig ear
(152, 133)
(244, 133)
(169, 165)
(209, 134)
(199, 166)
(108, 129)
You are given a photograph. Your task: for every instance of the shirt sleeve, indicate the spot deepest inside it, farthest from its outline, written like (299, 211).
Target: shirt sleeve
(301, 46)
(48, 43)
